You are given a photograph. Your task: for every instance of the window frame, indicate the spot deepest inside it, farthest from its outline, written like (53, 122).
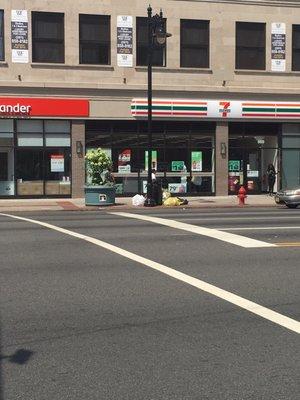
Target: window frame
(155, 48)
(2, 36)
(199, 46)
(258, 49)
(94, 43)
(39, 40)
(295, 49)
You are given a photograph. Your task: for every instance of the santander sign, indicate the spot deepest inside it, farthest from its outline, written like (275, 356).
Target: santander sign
(14, 107)
(9, 109)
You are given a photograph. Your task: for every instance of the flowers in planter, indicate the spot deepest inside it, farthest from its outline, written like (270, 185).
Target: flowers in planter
(98, 167)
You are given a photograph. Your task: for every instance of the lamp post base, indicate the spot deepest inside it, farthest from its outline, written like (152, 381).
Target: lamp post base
(149, 202)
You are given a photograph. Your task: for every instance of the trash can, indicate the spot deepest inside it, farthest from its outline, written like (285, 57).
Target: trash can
(157, 192)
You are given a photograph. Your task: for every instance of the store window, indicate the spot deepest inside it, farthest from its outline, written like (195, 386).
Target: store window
(194, 43)
(7, 187)
(57, 164)
(29, 172)
(182, 154)
(94, 39)
(252, 146)
(57, 133)
(250, 46)
(30, 133)
(296, 48)
(290, 156)
(159, 53)
(48, 37)
(2, 35)
(43, 157)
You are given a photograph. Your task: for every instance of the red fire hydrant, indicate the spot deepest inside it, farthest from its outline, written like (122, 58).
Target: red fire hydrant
(242, 194)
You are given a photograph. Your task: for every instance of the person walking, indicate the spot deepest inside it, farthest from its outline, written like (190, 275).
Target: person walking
(271, 173)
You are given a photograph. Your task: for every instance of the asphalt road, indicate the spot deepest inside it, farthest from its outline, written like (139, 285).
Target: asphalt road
(79, 321)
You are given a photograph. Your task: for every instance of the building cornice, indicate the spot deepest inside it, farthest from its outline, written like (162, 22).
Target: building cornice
(272, 3)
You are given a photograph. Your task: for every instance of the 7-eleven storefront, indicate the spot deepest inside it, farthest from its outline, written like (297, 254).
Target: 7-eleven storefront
(202, 147)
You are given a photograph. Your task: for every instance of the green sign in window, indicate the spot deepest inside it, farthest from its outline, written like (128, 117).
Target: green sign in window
(177, 166)
(234, 165)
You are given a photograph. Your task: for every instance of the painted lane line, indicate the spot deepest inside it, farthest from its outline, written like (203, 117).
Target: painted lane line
(254, 308)
(287, 244)
(260, 228)
(231, 238)
(203, 219)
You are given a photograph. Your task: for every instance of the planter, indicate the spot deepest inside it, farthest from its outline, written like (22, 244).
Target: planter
(99, 195)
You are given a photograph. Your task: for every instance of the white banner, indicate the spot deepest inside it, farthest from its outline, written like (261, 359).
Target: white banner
(124, 41)
(278, 47)
(19, 36)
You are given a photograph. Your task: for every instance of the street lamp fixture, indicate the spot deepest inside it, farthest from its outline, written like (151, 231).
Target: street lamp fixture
(157, 38)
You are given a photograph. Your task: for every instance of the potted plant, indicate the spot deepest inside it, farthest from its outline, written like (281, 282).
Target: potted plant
(100, 188)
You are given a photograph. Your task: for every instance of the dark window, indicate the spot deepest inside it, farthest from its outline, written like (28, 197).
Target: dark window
(194, 43)
(1, 36)
(159, 53)
(48, 37)
(250, 45)
(94, 39)
(296, 48)
(3, 166)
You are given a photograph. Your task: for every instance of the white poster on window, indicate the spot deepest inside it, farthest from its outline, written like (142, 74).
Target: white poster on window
(124, 40)
(57, 163)
(19, 36)
(278, 45)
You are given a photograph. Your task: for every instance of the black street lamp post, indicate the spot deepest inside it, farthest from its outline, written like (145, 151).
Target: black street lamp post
(157, 37)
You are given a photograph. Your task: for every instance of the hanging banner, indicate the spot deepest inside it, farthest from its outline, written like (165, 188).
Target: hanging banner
(196, 161)
(278, 46)
(19, 36)
(124, 161)
(124, 41)
(154, 160)
(57, 163)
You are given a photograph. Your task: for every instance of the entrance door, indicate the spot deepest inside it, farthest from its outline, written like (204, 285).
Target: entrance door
(252, 170)
(244, 169)
(248, 165)
(6, 172)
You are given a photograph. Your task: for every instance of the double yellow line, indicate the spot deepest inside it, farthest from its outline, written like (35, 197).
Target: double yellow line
(291, 244)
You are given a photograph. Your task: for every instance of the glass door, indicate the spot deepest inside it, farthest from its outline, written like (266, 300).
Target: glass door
(249, 157)
(252, 172)
(7, 187)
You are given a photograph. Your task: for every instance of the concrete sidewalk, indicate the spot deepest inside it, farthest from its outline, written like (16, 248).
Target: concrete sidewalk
(19, 205)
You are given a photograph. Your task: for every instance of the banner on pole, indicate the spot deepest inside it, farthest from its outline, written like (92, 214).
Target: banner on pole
(19, 36)
(124, 41)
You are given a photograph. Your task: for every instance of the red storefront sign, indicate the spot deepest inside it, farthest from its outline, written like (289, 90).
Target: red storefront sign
(41, 107)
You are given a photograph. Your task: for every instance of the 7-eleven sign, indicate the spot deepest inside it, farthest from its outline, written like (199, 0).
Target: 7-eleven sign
(224, 108)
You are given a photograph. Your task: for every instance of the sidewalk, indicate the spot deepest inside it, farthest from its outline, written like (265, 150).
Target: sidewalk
(19, 205)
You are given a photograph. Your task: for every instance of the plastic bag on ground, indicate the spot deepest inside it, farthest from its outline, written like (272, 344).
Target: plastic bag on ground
(172, 201)
(165, 194)
(138, 200)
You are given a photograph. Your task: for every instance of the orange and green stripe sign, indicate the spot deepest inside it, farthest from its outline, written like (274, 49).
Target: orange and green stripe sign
(217, 109)
(169, 108)
(270, 110)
